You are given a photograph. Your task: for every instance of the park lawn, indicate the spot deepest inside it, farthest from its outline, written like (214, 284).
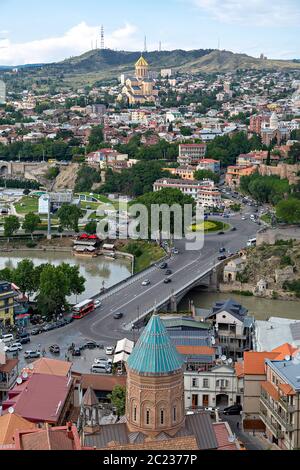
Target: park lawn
(210, 226)
(27, 204)
(151, 253)
(100, 197)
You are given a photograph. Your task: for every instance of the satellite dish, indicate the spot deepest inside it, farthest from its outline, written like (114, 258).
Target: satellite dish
(224, 358)
(232, 439)
(213, 340)
(19, 381)
(25, 375)
(31, 367)
(287, 358)
(11, 410)
(230, 361)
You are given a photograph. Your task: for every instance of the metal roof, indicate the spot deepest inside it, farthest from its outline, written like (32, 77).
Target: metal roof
(155, 353)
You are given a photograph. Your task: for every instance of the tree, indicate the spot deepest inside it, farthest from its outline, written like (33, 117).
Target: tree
(11, 225)
(289, 211)
(69, 216)
(118, 399)
(96, 139)
(206, 175)
(51, 299)
(31, 223)
(91, 228)
(25, 277)
(86, 178)
(294, 153)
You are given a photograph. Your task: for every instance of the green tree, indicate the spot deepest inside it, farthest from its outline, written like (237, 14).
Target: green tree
(91, 228)
(206, 175)
(51, 299)
(118, 399)
(31, 223)
(25, 277)
(86, 178)
(289, 211)
(11, 225)
(69, 216)
(294, 153)
(96, 139)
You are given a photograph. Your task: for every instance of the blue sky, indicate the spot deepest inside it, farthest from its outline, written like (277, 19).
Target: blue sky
(35, 31)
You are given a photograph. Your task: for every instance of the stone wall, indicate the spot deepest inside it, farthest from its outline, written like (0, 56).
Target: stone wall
(271, 236)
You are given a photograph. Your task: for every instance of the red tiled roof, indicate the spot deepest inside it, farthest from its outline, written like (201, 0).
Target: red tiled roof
(222, 434)
(196, 350)
(254, 362)
(286, 389)
(284, 350)
(9, 366)
(271, 390)
(102, 382)
(49, 439)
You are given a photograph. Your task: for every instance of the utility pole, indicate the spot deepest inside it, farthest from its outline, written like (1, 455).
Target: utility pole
(49, 235)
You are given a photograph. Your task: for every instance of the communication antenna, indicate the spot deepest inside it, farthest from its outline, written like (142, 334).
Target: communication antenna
(145, 44)
(11, 410)
(102, 45)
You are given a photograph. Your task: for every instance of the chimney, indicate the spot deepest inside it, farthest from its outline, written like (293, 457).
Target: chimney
(70, 431)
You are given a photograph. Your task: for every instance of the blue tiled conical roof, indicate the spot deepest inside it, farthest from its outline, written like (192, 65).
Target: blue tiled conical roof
(154, 353)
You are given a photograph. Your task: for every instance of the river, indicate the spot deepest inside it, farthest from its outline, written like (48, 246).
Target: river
(94, 270)
(261, 309)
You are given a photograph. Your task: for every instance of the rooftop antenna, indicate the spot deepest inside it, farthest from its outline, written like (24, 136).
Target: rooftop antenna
(145, 44)
(159, 47)
(102, 45)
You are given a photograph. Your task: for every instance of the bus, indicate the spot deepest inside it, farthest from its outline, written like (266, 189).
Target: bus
(252, 243)
(83, 309)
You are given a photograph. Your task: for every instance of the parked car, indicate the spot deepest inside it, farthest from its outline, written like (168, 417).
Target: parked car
(175, 251)
(221, 233)
(109, 351)
(168, 272)
(146, 283)
(36, 331)
(222, 258)
(234, 229)
(91, 345)
(222, 250)
(13, 348)
(6, 339)
(163, 265)
(69, 320)
(25, 340)
(101, 369)
(55, 349)
(118, 316)
(32, 354)
(103, 361)
(234, 410)
(76, 352)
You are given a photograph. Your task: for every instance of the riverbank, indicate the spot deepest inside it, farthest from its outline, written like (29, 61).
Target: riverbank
(145, 253)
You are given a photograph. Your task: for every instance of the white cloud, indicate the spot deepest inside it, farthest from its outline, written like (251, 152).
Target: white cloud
(74, 42)
(252, 12)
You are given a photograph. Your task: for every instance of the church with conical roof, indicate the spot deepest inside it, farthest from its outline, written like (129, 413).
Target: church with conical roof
(155, 413)
(140, 89)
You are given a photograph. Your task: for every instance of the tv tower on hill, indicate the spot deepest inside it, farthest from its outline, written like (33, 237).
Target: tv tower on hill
(102, 45)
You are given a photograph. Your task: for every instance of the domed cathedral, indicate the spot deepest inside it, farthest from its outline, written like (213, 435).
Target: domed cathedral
(140, 89)
(155, 384)
(142, 69)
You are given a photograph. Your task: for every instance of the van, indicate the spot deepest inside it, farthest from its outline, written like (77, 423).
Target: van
(101, 369)
(7, 339)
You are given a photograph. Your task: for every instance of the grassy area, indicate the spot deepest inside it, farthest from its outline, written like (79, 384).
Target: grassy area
(27, 204)
(210, 226)
(267, 219)
(146, 253)
(100, 198)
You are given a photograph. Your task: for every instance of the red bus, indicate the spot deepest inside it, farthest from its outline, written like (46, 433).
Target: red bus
(83, 309)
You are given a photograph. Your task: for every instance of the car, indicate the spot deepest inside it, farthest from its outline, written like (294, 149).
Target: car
(101, 369)
(103, 361)
(13, 348)
(25, 340)
(146, 283)
(91, 345)
(163, 265)
(6, 339)
(55, 349)
(234, 410)
(221, 233)
(244, 218)
(222, 250)
(234, 229)
(175, 251)
(167, 281)
(69, 320)
(76, 352)
(222, 258)
(168, 272)
(98, 303)
(109, 351)
(32, 355)
(118, 316)
(36, 331)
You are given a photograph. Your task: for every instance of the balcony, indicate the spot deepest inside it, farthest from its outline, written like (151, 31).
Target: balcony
(288, 408)
(281, 418)
(277, 433)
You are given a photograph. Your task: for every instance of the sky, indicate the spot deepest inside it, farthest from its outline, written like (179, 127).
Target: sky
(35, 31)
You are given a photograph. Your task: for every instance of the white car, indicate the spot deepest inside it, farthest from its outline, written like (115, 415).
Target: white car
(13, 349)
(98, 303)
(17, 345)
(103, 361)
(7, 339)
(146, 283)
(110, 351)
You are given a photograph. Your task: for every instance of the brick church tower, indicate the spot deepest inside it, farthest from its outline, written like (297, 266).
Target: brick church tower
(155, 384)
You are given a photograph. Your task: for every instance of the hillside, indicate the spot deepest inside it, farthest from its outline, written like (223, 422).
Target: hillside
(106, 64)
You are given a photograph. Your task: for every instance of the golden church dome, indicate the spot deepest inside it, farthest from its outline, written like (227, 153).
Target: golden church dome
(142, 62)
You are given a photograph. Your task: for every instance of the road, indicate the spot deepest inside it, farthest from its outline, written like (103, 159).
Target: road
(132, 299)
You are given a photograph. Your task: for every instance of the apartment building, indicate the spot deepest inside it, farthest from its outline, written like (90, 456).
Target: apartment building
(280, 402)
(235, 173)
(210, 164)
(191, 154)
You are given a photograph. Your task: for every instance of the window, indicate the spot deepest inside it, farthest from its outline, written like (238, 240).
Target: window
(174, 414)
(205, 383)
(162, 417)
(148, 417)
(195, 383)
(135, 413)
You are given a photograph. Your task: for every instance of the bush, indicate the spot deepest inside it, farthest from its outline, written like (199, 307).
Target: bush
(31, 244)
